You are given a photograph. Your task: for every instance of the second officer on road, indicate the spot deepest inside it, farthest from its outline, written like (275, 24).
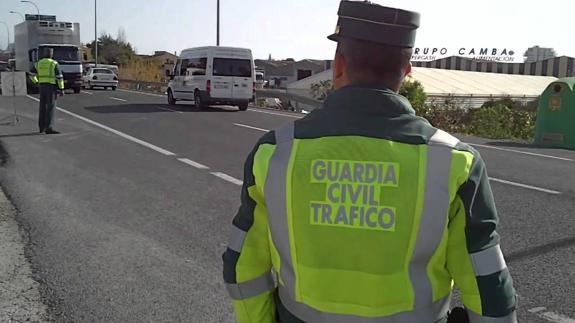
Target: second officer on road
(46, 73)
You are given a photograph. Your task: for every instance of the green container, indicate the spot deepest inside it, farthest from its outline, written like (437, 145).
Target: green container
(556, 115)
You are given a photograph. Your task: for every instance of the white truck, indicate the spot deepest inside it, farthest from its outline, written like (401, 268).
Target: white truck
(36, 33)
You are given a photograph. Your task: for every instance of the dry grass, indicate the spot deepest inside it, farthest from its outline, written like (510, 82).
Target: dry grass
(149, 70)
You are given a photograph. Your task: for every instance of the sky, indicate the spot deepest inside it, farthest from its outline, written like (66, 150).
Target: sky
(298, 28)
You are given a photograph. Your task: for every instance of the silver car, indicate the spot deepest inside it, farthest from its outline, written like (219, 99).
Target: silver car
(100, 77)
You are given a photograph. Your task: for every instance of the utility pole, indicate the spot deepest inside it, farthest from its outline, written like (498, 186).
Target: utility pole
(96, 33)
(218, 28)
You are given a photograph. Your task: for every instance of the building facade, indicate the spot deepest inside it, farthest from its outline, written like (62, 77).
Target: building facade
(562, 66)
(282, 73)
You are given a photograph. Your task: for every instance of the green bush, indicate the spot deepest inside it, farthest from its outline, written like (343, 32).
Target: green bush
(448, 117)
(492, 122)
(321, 90)
(415, 93)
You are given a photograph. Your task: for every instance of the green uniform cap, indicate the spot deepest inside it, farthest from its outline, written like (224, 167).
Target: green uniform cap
(363, 20)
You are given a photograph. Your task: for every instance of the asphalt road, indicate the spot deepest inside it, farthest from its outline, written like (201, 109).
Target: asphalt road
(128, 210)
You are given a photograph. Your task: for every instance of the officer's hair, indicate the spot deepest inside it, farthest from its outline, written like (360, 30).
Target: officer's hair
(368, 62)
(47, 52)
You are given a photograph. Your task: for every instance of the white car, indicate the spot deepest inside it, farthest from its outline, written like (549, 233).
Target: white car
(100, 77)
(213, 75)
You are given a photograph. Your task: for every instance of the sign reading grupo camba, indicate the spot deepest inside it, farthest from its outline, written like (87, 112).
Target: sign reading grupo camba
(483, 53)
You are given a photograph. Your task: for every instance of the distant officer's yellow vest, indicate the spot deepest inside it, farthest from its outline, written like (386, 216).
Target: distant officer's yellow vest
(46, 69)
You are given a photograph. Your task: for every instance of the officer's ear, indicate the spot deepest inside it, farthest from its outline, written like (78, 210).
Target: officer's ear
(339, 74)
(408, 69)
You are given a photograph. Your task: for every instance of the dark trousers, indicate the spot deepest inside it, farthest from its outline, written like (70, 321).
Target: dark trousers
(48, 93)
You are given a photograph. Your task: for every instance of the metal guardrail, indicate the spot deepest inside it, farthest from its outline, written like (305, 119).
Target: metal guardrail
(144, 86)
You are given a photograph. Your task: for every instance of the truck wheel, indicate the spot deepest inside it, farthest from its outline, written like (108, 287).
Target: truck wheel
(77, 90)
(198, 101)
(243, 106)
(171, 99)
(113, 88)
(90, 86)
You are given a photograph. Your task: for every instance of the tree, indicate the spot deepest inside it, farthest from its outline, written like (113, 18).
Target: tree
(113, 51)
(414, 92)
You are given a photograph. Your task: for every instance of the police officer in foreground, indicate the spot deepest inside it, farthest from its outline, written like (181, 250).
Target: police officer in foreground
(46, 73)
(362, 211)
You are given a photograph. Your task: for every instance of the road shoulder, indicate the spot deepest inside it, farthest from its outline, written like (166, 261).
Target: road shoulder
(20, 299)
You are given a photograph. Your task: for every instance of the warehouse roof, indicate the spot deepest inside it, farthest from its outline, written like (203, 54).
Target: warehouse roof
(438, 82)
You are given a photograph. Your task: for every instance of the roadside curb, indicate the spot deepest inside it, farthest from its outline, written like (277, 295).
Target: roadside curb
(20, 299)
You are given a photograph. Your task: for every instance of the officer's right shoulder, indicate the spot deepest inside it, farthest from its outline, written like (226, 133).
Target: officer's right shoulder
(269, 138)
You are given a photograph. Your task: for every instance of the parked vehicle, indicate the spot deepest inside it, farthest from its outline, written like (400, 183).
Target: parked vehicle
(100, 77)
(88, 66)
(260, 81)
(213, 75)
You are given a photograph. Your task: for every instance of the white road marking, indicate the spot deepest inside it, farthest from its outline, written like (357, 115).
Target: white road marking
(144, 93)
(89, 93)
(118, 99)
(276, 114)
(535, 188)
(169, 110)
(551, 316)
(193, 163)
(250, 127)
(228, 178)
(114, 131)
(521, 152)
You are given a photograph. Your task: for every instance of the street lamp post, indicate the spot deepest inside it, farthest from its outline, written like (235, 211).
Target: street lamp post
(18, 13)
(96, 33)
(32, 3)
(218, 27)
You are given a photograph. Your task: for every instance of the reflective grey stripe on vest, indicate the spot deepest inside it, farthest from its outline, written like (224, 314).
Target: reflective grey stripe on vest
(432, 226)
(476, 318)
(309, 314)
(251, 288)
(488, 261)
(275, 196)
(434, 216)
(237, 238)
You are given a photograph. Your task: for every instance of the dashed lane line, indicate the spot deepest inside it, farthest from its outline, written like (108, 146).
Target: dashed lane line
(118, 99)
(522, 152)
(89, 93)
(114, 131)
(530, 187)
(144, 93)
(550, 316)
(276, 114)
(228, 178)
(250, 127)
(193, 163)
(189, 162)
